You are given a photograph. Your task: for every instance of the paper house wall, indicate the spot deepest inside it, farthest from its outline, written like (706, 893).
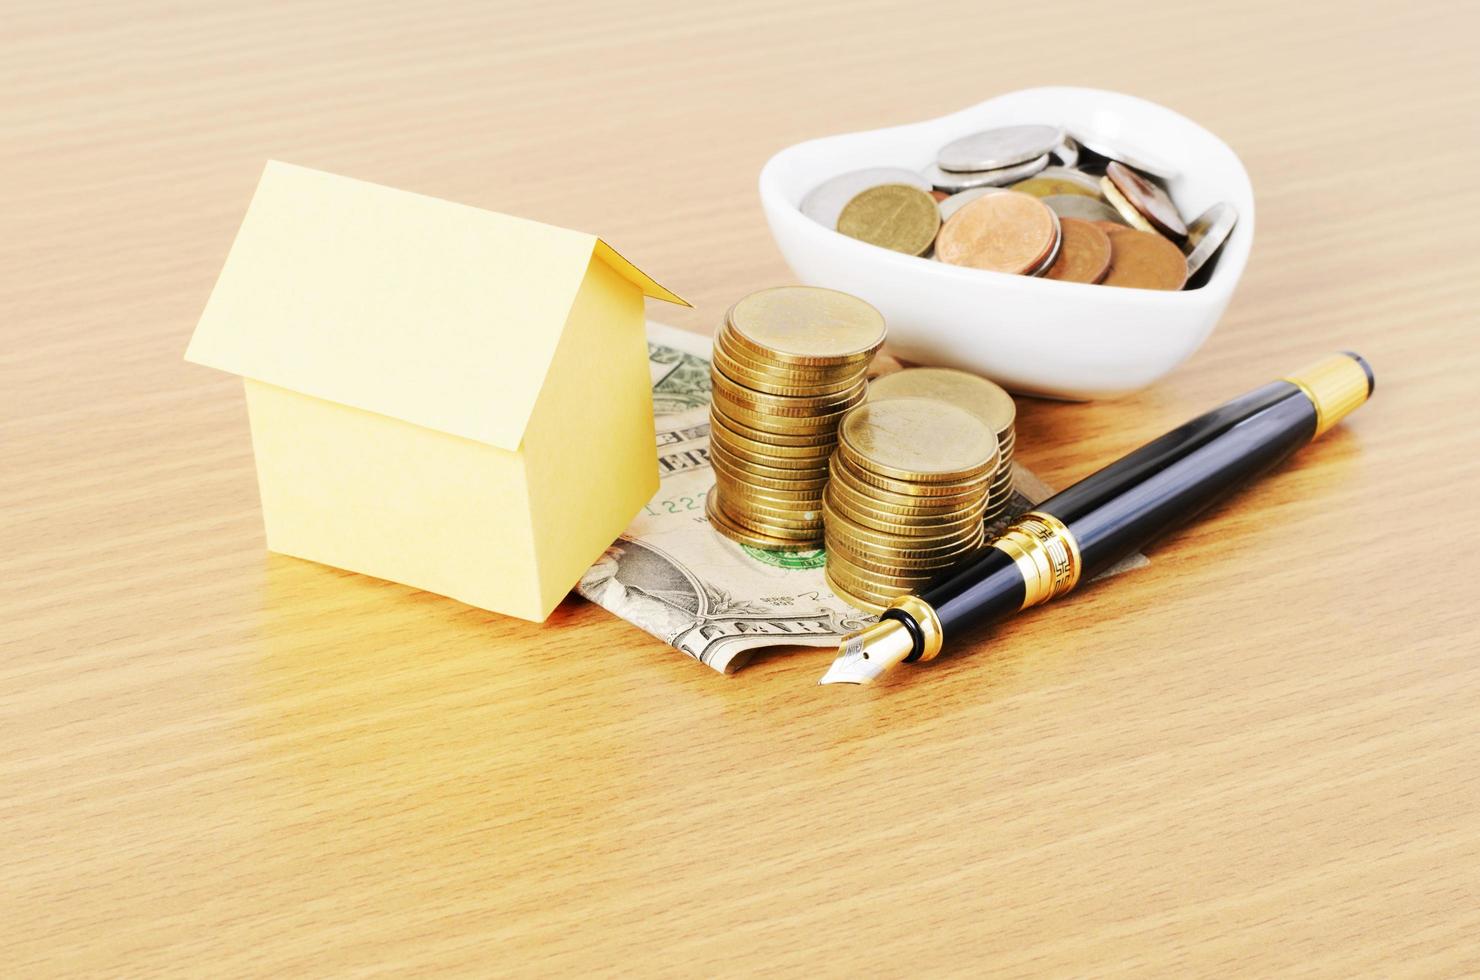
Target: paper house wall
(442, 396)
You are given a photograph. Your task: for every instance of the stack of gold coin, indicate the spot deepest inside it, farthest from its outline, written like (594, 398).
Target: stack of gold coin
(909, 485)
(788, 364)
(992, 405)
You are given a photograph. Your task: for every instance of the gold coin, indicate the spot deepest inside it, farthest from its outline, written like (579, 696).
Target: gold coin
(910, 560)
(870, 584)
(923, 508)
(796, 520)
(923, 516)
(1047, 185)
(746, 359)
(902, 528)
(804, 406)
(762, 518)
(888, 570)
(735, 532)
(750, 467)
(982, 398)
(730, 444)
(779, 498)
(758, 418)
(744, 353)
(907, 488)
(916, 544)
(777, 383)
(789, 437)
(871, 588)
(904, 561)
(916, 439)
(806, 325)
(771, 529)
(843, 474)
(794, 517)
(858, 577)
(753, 478)
(868, 596)
(1126, 210)
(769, 452)
(898, 217)
(786, 530)
(857, 602)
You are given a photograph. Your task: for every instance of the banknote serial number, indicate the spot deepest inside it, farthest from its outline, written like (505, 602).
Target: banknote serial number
(675, 505)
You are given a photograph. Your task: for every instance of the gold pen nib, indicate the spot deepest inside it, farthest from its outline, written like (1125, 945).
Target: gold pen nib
(865, 655)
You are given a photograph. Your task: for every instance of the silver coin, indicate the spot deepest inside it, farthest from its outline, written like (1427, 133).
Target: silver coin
(953, 203)
(1067, 152)
(998, 148)
(1079, 206)
(951, 181)
(1206, 235)
(1112, 149)
(826, 201)
(1053, 253)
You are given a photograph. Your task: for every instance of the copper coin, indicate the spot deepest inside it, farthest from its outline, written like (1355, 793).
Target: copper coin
(1084, 255)
(1144, 260)
(1148, 199)
(1006, 232)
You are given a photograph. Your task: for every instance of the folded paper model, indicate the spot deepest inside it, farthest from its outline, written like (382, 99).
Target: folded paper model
(442, 396)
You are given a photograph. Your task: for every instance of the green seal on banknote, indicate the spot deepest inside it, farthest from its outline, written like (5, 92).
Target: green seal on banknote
(801, 560)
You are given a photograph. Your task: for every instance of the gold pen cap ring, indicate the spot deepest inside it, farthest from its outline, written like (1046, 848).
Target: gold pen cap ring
(1336, 385)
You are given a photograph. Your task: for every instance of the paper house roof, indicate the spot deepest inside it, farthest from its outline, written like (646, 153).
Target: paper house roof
(440, 314)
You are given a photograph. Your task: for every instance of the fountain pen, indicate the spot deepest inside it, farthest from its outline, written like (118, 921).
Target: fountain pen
(1076, 534)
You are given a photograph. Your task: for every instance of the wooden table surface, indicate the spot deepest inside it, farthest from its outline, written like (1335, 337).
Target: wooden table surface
(1256, 756)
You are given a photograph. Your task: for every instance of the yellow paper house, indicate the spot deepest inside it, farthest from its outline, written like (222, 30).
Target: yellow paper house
(442, 396)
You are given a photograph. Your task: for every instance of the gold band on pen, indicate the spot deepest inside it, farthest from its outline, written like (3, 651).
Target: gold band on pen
(931, 635)
(1336, 386)
(1046, 554)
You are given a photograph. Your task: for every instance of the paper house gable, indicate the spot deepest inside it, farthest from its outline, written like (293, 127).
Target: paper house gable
(442, 396)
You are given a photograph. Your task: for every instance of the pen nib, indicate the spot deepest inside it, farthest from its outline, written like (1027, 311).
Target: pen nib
(865, 655)
(853, 667)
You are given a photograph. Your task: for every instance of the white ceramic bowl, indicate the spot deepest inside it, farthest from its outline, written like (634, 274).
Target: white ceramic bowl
(1037, 336)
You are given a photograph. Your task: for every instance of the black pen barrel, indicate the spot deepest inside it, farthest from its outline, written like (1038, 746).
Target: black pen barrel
(1152, 491)
(1165, 484)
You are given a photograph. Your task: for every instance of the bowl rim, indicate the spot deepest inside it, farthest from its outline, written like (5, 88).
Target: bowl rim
(1220, 285)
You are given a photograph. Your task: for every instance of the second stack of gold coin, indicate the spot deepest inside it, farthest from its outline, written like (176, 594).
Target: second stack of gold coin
(904, 505)
(788, 364)
(982, 398)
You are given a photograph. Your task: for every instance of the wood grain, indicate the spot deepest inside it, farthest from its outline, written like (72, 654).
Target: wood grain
(1256, 756)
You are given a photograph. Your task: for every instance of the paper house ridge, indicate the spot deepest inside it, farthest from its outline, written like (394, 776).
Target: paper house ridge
(442, 396)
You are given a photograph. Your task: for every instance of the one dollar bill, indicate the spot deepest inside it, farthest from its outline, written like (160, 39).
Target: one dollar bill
(673, 576)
